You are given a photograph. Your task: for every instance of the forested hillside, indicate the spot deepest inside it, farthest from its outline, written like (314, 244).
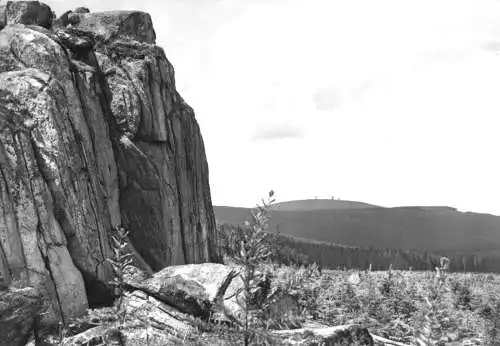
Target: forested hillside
(339, 234)
(294, 250)
(433, 229)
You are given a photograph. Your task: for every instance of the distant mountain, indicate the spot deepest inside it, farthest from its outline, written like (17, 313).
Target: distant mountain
(321, 204)
(442, 230)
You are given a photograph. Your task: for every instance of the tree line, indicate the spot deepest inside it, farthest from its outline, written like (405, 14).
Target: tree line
(291, 250)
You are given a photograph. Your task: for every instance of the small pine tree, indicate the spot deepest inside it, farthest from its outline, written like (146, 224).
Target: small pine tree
(432, 331)
(120, 262)
(254, 250)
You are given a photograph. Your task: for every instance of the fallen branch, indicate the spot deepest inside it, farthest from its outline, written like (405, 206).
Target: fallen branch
(387, 341)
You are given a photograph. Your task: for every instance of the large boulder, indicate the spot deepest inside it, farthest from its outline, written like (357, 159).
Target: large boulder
(27, 13)
(208, 289)
(108, 26)
(193, 289)
(19, 309)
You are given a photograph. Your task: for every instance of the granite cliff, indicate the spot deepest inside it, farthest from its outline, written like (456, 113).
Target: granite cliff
(93, 135)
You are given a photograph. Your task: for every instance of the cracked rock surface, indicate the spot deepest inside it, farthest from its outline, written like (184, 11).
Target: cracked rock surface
(20, 308)
(93, 134)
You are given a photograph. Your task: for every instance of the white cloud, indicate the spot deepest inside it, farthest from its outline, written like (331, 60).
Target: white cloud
(277, 131)
(327, 99)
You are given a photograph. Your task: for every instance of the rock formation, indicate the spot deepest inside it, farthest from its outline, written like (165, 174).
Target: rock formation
(93, 135)
(19, 310)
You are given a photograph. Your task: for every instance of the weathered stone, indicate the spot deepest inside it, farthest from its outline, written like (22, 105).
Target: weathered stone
(328, 336)
(188, 296)
(19, 309)
(79, 43)
(73, 18)
(97, 336)
(61, 21)
(193, 289)
(157, 315)
(93, 136)
(30, 234)
(28, 13)
(155, 164)
(111, 25)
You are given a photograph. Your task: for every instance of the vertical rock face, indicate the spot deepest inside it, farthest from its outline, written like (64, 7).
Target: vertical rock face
(93, 134)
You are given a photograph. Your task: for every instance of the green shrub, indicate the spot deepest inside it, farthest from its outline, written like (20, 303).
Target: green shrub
(490, 312)
(253, 250)
(462, 294)
(120, 262)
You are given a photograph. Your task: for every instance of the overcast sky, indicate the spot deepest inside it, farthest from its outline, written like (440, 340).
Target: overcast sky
(390, 102)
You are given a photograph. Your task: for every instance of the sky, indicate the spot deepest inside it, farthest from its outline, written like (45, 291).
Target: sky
(389, 102)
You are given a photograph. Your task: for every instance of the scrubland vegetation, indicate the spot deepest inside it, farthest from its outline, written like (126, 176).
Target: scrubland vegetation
(411, 307)
(433, 307)
(282, 289)
(403, 306)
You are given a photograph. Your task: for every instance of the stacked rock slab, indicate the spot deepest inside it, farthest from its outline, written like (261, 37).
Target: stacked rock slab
(93, 134)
